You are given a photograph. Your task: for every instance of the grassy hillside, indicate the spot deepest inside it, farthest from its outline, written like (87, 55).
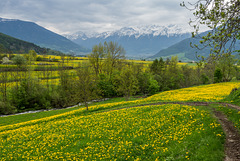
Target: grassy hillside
(31, 32)
(13, 45)
(10, 44)
(186, 52)
(183, 48)
(121, 130)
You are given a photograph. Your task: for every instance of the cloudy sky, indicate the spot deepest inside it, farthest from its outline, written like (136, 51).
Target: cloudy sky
(69, 16)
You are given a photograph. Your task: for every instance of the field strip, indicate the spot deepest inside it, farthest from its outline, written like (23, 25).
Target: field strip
(51, 118)
(194, 104)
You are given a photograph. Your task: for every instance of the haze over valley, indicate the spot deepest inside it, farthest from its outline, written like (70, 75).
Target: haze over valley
(139, 42)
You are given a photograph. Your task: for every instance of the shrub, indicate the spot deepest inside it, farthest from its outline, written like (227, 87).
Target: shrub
(234, 96)
(57, 101)
(6, 108)
(218, 75)
(19, 60)
(105, 86)
(153, 86)
(204, 78)
(30, 95)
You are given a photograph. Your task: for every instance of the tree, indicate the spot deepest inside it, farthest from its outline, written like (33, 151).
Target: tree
(31, 56)
(188, 76)
(173, 74)
(218, 75)
(154, 66)
(115, 56)
(96, 58)
(19, 60)
(4, 84)
(30, 95)
(67, 90)
(147, 84)
(226, 64)
(223, 18)
(127, 83)
(105, 86)
(6, 60)
(86, 85)
(153, 86)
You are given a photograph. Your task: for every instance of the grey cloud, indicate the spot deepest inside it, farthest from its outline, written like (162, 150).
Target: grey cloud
(99, 15)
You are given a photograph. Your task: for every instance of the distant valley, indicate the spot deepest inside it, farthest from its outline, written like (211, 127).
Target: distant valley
(139, 42)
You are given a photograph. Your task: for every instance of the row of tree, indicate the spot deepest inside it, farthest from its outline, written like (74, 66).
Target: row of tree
(108, 74)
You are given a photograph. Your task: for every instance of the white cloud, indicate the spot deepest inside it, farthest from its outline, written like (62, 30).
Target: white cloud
(67, 16)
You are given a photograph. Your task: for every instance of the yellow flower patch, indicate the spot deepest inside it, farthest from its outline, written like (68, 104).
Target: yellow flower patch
(126, 134)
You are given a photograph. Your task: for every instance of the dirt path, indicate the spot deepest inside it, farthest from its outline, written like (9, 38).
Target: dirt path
(232, 143)
(230, 105)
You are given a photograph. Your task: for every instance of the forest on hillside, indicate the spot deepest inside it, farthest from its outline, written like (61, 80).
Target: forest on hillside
(10, 45)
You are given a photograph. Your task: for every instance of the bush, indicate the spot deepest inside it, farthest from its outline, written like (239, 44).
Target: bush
(204, 78)
(30, 95)
(6, 108)
(19, 60)
(218, 75)
(234, 79)
(57, 101)
(105, 86)
(234, 96)
(5, 60)
(39, 58)
(153, 86)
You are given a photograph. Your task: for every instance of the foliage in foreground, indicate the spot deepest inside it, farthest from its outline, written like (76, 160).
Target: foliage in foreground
(140, 133)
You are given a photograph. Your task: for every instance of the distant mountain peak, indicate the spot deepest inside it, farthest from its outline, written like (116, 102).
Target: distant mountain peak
(136, 31)
(7, 20)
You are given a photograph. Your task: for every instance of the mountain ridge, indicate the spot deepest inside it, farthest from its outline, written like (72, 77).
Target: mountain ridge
(31, 32)
(10, 45)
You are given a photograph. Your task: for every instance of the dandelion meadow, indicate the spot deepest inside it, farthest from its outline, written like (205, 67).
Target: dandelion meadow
(141, 133)
(113, 131)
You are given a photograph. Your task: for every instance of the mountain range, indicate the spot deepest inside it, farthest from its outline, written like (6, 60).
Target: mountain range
(138, 41)
(31, 32)
(148, 42)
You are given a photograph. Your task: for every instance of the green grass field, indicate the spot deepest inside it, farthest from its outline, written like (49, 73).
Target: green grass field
(120, 130)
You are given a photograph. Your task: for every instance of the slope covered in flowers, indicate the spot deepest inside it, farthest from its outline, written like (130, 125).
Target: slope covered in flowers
(140, 133)
(107, 132)
(208, 93)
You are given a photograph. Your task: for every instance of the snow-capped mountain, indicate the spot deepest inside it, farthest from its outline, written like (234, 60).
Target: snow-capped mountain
(136, 31)
(7, 20)
(139, 41)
